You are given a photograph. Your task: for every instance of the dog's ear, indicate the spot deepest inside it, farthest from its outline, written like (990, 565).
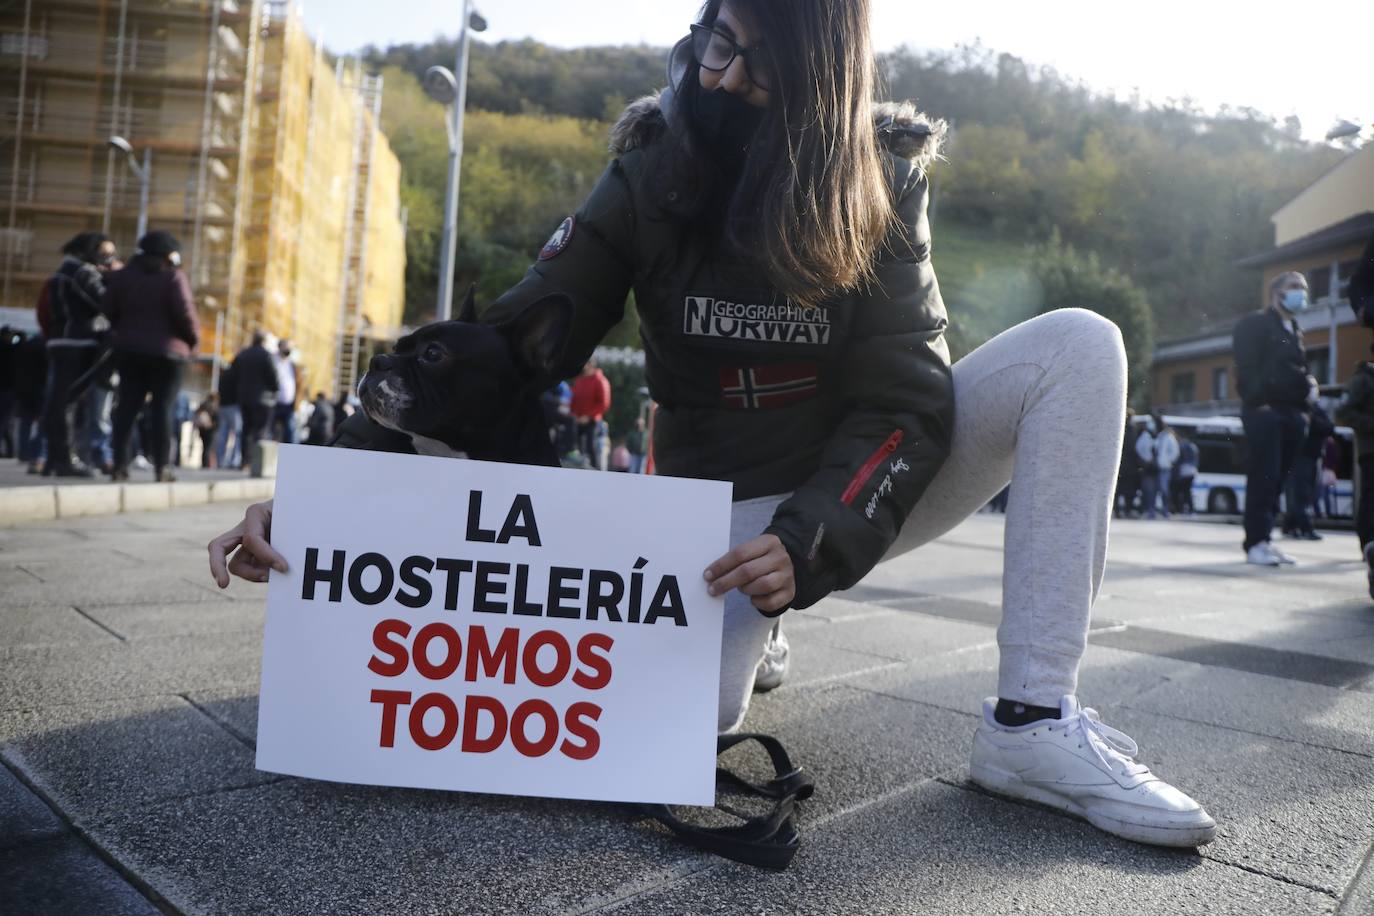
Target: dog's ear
(539, 334)
(468, 310)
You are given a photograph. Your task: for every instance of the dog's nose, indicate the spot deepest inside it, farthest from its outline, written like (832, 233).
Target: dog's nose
(380, 363)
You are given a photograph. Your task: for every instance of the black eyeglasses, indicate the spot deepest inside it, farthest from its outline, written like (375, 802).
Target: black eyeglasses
(716, 51)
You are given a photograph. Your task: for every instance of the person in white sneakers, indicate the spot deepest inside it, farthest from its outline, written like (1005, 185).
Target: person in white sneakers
(1275, 389)
(781, 262)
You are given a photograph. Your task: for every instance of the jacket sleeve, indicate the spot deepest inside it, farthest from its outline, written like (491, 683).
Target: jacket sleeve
(1249, 355)
(594, 267)
(88, 289)
(1356, 408)
(896, 433)
(184, 320)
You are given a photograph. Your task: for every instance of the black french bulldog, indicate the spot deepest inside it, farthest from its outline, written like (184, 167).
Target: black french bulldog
(464, 389)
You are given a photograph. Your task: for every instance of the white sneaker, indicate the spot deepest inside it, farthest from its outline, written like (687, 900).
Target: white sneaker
(773, 666)
(1077, 764)
(1283, 557)
(1263, 554)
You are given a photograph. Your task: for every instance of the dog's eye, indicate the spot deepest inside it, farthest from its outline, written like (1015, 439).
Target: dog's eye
(433, 354)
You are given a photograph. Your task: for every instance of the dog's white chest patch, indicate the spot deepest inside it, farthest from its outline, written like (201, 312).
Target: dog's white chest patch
(427, 446)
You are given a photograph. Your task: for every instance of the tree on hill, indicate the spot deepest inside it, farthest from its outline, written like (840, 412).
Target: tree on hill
(1067, 278)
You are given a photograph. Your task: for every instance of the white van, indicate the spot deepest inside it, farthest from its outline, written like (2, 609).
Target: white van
(1223, 453)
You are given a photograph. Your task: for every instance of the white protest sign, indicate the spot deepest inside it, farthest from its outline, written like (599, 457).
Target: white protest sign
(451, 624)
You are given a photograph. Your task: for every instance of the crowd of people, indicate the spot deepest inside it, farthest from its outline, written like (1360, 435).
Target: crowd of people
(576, 416)
(99, 388)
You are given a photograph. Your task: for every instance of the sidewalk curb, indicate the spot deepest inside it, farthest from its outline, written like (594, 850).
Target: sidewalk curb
(50, 503)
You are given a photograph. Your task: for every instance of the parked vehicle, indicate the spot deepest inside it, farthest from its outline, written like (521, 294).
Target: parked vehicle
(1223, 453)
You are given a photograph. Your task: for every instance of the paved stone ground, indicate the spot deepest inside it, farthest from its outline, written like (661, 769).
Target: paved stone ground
(128, 710)
(14, 474)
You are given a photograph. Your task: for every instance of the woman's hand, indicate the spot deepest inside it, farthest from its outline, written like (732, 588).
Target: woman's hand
(760, 568)
(255, 557)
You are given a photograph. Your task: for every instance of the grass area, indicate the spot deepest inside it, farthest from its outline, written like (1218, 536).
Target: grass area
(985, 280)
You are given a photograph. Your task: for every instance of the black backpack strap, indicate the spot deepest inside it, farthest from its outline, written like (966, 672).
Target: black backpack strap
(768, 840)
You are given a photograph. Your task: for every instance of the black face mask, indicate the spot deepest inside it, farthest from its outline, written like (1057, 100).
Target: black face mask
(726, 124)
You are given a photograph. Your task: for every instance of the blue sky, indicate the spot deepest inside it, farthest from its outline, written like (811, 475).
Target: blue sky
(1312, 59)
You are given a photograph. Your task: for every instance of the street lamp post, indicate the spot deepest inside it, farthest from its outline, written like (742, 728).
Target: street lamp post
(144, 174)
(451, 90)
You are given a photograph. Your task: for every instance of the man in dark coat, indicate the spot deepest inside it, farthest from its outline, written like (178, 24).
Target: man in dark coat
(256, 379)
(1275, 389)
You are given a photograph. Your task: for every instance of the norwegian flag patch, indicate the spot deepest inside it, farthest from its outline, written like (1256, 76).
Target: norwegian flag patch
(762, 387)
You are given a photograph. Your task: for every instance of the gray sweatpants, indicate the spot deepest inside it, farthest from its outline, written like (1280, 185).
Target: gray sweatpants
(1041, 406)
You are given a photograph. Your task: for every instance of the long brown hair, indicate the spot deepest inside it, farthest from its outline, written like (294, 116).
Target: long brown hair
(813, 203)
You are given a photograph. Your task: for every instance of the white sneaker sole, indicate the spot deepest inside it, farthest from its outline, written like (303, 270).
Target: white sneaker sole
(1183, 835)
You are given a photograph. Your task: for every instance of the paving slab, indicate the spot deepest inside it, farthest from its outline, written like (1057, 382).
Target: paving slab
(1299, 812)
(96, 760)
(49, 626)
(24, 818)
(858, 746)
(900, 635)
(234, 708)
(108, 587)
(941, 849)
(141, 621)
(311, 847)
(62, 876)
(38, 677)
(960, 681)
(1309, 713)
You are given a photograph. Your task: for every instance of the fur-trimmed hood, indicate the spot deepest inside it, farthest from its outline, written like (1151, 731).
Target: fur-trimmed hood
(902, 130)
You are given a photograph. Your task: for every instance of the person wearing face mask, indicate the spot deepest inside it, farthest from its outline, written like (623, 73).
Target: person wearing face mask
(771, 220)
(154, 333)
(1275, 389)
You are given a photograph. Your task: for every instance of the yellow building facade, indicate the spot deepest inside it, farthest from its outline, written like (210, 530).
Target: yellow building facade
(267, 162)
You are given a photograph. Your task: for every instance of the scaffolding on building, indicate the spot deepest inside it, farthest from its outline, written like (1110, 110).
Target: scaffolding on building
(256, 164)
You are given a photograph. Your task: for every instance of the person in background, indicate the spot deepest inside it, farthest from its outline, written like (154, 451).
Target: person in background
(229, 429)
(1146, 467)
(1184, 472)
(1128, 472)
(1331, 468)
(206, 422)
(288, 390)
(1300, 489)
(255, 379)
(636, 444)
(320, 427)
(1356, 409)
(1275, 390)
(591, 398)
(1166, 456)
(154, 332)
(620, 457)
(75, 294)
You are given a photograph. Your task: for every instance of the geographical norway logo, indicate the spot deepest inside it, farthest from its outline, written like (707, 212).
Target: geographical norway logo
(768, 386)
(704, 316)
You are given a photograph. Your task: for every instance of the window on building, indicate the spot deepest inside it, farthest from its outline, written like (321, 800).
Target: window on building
(1181, 388)
(1221, 383)
(1318, 282)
